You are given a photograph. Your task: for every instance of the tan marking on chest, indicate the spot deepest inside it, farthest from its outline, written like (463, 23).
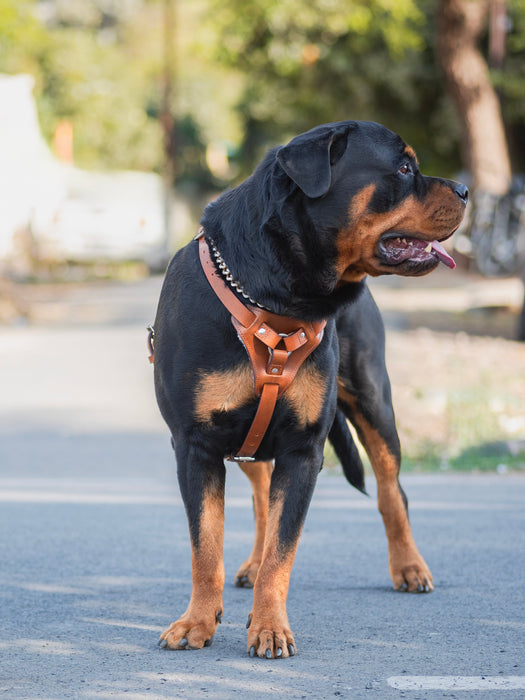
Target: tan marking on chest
(306, 395)
(219, 392)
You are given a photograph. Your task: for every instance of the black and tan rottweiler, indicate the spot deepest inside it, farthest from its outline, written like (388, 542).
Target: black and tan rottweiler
(297, 238)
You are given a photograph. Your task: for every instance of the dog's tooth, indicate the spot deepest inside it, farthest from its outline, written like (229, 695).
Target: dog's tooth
(428, 248)
(404, 240)
(410, 243)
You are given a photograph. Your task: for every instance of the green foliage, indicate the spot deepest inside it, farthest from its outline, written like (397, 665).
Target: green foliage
(330, 60)
(21, 36)
(327, 60)
(105, 101)
(191, 169)
(510, 83)
(248, 72)
(101, 82)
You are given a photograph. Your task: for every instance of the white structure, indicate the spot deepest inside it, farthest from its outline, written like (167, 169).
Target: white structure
(72, 214)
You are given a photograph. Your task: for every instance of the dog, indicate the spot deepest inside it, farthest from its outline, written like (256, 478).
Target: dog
(296, 241)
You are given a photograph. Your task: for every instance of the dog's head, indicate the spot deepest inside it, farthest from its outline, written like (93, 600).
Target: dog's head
(361, 181)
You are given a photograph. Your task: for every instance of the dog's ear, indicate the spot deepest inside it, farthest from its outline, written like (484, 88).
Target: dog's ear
(308, 158)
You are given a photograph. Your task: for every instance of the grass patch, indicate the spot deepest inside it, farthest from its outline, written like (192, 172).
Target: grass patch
(497, 457)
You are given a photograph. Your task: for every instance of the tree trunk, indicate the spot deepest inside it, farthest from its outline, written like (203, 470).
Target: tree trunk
(485, 153)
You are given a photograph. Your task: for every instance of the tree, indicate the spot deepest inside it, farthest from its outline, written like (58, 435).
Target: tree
(461, 24)
(92, 68)
(325, 61)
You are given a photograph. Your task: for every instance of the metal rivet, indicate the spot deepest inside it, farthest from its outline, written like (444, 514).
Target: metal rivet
(262, 331)
(274, 370)
(303, 335)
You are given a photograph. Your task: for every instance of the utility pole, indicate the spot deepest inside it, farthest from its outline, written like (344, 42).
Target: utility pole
(167, 120)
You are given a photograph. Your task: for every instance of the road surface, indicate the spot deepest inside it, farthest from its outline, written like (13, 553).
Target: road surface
(95, 559)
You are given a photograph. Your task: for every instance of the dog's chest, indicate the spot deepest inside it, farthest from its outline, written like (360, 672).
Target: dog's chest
(224, 391)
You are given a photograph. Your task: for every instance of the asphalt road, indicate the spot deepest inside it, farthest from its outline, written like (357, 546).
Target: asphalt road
(95, 559)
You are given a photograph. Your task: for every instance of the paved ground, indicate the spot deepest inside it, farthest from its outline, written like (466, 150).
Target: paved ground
(95, 557)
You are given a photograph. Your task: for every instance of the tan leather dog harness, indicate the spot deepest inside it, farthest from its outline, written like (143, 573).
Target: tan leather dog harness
(277, 347)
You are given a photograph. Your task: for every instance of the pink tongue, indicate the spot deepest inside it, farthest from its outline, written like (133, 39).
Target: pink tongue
(445, 258)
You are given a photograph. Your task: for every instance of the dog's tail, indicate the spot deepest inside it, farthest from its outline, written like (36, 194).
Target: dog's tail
(346, 451)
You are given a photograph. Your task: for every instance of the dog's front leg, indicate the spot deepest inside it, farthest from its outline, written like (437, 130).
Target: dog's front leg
(291, 489)
(202, 486)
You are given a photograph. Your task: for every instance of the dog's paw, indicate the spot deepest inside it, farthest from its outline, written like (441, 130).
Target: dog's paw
(270, 641)
(412, 577)
(189, 632)
(245, 577)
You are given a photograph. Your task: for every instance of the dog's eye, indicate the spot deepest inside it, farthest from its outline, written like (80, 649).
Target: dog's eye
(406, 168)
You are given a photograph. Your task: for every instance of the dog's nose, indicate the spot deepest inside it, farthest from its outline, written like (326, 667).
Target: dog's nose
(462, 192)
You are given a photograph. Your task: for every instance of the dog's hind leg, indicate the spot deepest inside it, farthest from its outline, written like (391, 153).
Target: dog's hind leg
(259, 474)
(407, 567)
(202, 487)
(364, 396)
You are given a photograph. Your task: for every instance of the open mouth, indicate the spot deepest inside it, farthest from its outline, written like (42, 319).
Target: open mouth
(396, 250)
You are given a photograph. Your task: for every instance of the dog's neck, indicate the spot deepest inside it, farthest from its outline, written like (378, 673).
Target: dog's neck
(225, 272)
(296, 279)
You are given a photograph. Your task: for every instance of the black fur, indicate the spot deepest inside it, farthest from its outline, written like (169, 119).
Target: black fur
(280, 234)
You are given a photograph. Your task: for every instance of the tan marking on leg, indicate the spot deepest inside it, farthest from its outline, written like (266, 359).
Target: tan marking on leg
(269, 632)
(197, 626)
(306, 394)
(407, 567)
(223, 391)
(259, 474)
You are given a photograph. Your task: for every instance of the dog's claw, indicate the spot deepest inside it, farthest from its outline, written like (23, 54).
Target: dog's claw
(249, 621)
(208, 642)
(291, 649)
(252, 652)
(268, 654)
(218, 616)
(183, 642)
(279, 653)
(162, 643)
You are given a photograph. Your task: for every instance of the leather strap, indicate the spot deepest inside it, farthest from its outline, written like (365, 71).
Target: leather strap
(151, 344)
(276, 345)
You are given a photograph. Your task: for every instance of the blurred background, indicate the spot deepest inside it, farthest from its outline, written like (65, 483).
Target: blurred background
(121, 119)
